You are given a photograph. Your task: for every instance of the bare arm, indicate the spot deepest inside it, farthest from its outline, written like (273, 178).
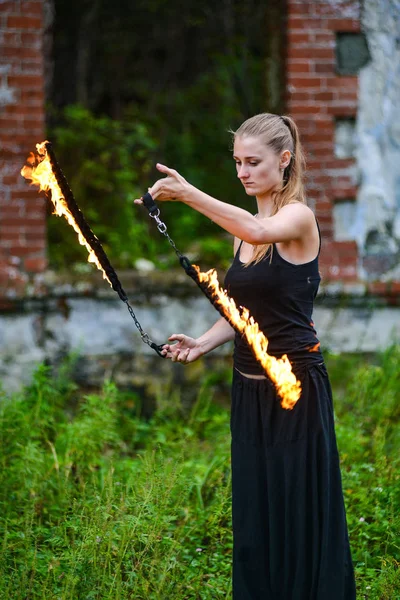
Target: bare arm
(187, 349)
(293, 222)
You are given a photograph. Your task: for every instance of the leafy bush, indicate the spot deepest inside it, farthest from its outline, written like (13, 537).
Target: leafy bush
(106, 163)
(97, 502)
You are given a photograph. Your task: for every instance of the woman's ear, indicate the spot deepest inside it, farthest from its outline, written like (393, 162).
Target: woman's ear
(285, 159)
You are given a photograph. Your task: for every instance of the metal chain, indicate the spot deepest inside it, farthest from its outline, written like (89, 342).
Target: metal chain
(143, 334)
(162, 228)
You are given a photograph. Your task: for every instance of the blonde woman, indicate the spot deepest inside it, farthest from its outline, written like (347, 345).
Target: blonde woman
(289, 525)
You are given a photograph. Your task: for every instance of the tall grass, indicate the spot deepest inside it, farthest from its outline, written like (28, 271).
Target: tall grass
(98, 503)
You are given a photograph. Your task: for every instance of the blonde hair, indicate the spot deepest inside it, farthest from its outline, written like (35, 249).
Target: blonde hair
(278, 133)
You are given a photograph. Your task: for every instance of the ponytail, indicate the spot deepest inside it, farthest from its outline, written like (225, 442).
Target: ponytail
(278, 133)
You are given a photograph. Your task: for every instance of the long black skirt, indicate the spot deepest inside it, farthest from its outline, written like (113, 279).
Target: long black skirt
(289, 523)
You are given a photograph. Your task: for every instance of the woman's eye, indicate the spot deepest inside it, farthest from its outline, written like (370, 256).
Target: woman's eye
(254, 164)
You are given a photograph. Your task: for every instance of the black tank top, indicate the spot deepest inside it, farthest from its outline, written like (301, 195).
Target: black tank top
(280, 297)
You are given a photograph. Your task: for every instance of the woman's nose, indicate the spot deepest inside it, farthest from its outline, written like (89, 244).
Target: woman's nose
(242, 172)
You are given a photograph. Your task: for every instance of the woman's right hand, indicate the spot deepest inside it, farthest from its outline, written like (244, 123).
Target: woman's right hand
(185, 350)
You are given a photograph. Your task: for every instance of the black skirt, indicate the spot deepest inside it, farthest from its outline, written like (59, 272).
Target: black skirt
(289, 524)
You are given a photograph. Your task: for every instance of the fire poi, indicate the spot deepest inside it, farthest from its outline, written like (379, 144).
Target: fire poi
(44, 171)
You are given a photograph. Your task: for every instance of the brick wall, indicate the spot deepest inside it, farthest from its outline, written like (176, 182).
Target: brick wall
(22, 210)
(317, 98)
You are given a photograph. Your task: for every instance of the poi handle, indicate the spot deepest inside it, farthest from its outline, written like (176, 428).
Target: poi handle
(149, 203)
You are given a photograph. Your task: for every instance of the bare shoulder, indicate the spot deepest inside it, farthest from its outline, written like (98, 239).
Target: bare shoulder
(299, 213)
(298, 210)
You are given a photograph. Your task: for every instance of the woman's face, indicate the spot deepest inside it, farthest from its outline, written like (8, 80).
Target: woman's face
(257, 165)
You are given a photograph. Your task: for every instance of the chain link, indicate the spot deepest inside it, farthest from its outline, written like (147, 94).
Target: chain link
(143, 334)
(162, 228)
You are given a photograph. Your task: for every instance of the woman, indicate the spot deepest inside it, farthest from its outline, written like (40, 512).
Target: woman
(289, 524)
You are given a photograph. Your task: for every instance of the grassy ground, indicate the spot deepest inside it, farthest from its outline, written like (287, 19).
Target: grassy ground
(98, 503)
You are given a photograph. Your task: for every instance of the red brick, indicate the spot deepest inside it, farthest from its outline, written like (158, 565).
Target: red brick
(21, 52)
(339, 163)
(35, 265)
(344, 25)
(24, 222)
(299, 38)
(306, 108)
(31, 39)
(344, 81)
(324, 220)
(6, 123)
(10, 7)
(37, 233)
(301, 96)
(342, 109)
(395, 287)
(324, 205)
(24, 22)
(32, 8)
(25, 250)
(300, 66)
(304, 23)
(33, 104)
(324, 96)
(303, 9)
(311, 53)
(347, 94)
(10, 39)
(378, 287)
(325, 37)
(10, 180)
(346, 248)
(345, 192)
(33, 82)
(8, 239)
(307, 82)
(322, 180)
(324, 67)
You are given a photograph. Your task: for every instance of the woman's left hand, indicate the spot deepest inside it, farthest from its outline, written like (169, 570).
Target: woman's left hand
(172, 187)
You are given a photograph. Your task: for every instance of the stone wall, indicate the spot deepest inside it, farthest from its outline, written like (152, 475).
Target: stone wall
(22, 211)
(343, 88)
(85, 317)
(323, 99)
(376, 225)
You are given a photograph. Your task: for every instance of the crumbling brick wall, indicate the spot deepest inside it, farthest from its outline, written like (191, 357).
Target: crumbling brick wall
(22, 115)
(320, 99)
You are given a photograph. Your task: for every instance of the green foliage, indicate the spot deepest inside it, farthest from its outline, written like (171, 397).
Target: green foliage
(368, 432)
(97, 502)
(125, 95)
(106, 163)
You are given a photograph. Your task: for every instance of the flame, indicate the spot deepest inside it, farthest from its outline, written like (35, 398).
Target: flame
(279, 370)
(39, 171)
(315, 348)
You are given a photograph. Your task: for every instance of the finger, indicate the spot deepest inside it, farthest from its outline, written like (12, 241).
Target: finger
(167, 170)
(183, 354)
(179, 337)
(170, 349)
(138, 201)
(157, 189)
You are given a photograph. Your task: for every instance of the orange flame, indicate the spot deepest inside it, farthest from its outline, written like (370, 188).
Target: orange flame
(39, 171)
(279, 370)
